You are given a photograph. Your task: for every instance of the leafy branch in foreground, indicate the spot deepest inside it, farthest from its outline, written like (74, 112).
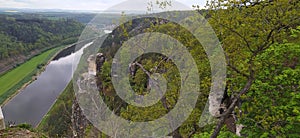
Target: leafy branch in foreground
(246, 31)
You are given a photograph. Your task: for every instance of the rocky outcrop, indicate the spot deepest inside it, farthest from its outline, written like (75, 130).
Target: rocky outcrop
(79, 121)
(2, 122)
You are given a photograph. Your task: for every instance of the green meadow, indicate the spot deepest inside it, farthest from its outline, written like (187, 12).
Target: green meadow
(13, 80)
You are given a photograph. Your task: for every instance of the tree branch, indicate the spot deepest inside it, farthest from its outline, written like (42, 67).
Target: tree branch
(236, 99)
(237, 33)
(234, 68)
(231, 108)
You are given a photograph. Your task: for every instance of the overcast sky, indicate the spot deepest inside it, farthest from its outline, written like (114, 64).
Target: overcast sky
(75, 4)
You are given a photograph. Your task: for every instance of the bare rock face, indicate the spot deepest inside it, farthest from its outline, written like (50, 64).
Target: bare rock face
(239, 129)
(79, 122)
(216, 109)
(100, 59)
(219, 102)
(214, 105)
(132, 69)
(2, 122)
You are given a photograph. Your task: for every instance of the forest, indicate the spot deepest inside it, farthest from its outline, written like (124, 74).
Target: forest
(22, 37)
(261, 42)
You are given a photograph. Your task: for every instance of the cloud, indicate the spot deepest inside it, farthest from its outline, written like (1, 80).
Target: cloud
(12, 3)
(59, 4)
(71, 4)
(139, 5)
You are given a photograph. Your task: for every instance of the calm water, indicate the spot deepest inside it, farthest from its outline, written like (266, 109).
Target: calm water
(32, 103)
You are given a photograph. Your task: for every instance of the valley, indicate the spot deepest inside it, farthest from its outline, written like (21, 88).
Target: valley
(230, 69)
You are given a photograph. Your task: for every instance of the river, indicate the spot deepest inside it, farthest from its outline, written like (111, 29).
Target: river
(33, 102)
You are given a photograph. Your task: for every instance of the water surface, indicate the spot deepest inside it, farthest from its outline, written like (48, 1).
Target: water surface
(33, 102)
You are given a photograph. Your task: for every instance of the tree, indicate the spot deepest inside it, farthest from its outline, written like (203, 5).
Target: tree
(247, 29)
(249, 32)
(272, 103)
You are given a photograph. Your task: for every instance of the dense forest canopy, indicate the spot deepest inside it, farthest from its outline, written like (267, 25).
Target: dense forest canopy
(20, 36)
(25, 35)
(249, 31)
(261, 40)
(261, 43)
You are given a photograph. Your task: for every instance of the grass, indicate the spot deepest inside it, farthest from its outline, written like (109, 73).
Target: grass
(13, 80)
(20, 131)
(59, 114)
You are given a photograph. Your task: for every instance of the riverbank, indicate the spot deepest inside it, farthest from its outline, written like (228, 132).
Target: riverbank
(62, 106)
(19, 78)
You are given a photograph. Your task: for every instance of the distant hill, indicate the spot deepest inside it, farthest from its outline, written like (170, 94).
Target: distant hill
(25, 35)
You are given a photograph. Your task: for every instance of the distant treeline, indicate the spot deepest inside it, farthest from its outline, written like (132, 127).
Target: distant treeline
(20, 36)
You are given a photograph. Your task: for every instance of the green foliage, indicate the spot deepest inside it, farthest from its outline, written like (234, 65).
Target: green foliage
(273, 103)
(154, 63)
(255, 37)
(247, 30)
(16, 78)
(20, 36)
(223, 134)
(57, 122)
(25, 126)
(265, 34)
(295, 32)
(25, 37)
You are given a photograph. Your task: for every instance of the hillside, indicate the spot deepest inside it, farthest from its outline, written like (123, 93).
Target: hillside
(22, 37)
(261, 42)
(261, 84)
